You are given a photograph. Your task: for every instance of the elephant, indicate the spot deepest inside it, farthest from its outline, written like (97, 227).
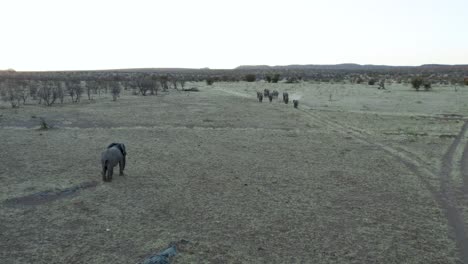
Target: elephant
(115, 153)
(296, 103)
(270, 97)
(259, 97)
(285, 98)
(266, 92)
(381, 85)
(275, 94)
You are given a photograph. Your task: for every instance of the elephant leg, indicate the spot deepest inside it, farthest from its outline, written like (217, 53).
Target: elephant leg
(104, 173)
(110, 173)
(121, 167)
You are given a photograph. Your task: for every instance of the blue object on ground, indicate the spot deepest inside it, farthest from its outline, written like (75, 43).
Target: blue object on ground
(162, 257)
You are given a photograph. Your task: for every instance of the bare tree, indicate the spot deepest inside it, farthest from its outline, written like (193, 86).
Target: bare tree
(148, 84)
(9, 93)
(143, 85)
(174, 82)
(115, 90)
(163, 80)
(23, 93)
(59, 90)
(154, 85)
(182, 82)
(89, 87)
(33, 91)
(75, 90)
(48, 92)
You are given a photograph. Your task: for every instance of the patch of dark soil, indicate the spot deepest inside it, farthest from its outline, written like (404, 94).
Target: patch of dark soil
(452, 116)
(407, 134)
(193, 89)
(48, 196)
(447, 136)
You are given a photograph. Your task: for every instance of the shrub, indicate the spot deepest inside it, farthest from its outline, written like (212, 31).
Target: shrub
(209, 81)
(148, 84)
(292, 79)
(427, 86)
(12, 96)
(268, 78)
(416, 83)
(115, 90)
(371, 81)
(43, 124)
(465, 81)
(275, 78)
(250, 77)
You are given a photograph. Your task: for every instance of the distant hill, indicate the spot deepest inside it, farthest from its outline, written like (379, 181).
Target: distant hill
(265, 68)
(348, 66)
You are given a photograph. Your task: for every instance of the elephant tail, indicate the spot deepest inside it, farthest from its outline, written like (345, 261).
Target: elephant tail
(104, 169)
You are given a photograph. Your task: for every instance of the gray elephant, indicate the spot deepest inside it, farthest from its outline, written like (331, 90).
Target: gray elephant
(275, 94)
(113, 155)
(260, 97)
(296, 103)
(285, 97)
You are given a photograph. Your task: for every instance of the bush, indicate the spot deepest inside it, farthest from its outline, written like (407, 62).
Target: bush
(43, 123)
(115, 90)
(427, 86)
(465, 81)
(268, 78)
(416, 83)
(250, 77)
(371, 81)
(209, 81)
(292, 79)
(275, 78)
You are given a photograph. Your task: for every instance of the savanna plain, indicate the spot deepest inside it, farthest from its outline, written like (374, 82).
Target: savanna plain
(353, 175)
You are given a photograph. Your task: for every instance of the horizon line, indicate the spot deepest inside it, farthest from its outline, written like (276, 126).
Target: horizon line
(243, 65)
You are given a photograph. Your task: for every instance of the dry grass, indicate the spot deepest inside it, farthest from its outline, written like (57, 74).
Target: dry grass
(244, 182)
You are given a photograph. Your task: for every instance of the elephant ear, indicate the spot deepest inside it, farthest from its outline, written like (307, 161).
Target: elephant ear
(112, 145)
(122, 148)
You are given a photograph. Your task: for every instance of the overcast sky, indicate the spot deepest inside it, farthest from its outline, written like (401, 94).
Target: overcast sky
(99, 34)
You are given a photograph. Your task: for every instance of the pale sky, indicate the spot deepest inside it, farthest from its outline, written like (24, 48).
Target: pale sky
(101, 34)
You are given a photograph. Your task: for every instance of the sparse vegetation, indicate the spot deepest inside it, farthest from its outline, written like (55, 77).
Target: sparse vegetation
(272, 138)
